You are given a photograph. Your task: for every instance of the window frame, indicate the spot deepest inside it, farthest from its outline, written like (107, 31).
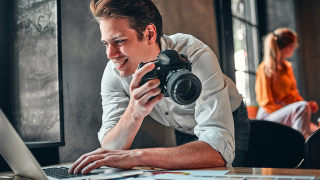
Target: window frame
(226, 47)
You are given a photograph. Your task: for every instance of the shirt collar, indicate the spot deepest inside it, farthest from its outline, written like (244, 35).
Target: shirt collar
(165, 42)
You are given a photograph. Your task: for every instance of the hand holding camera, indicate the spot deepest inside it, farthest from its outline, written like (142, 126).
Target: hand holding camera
(176, 80)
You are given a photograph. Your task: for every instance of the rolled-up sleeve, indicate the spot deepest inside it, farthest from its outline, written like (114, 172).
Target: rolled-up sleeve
(114, 100)
(213, 112)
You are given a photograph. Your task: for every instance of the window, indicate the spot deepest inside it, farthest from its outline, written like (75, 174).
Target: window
(246, 47)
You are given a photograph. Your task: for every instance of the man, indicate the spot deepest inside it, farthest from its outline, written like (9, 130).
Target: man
(132, 33)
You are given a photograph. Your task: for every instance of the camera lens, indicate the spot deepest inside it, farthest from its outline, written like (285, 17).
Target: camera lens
(183, 87)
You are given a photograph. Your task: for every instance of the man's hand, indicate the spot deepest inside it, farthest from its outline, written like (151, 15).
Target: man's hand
(194, 155)
(314, 106)
(140, 103)
(124, 159)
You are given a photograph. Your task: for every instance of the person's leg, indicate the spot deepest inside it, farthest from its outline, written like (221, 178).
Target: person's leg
(261, 114)
(296, 115)
(313, 127)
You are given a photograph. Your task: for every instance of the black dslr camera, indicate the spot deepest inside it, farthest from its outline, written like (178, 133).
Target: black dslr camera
(176, 80)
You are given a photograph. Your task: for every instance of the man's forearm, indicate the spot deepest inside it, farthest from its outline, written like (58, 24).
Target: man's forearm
(193, 155)
(121, 136)
(196, 154)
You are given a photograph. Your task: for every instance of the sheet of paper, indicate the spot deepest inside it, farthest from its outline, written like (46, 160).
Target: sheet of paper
(181, 177)
(207, 176)
(265, 177)
(195, 172)
(228, 177)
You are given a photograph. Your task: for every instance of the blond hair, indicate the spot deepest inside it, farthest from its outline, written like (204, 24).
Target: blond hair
(273, 44)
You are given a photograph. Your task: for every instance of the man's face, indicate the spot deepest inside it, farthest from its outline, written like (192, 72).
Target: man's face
(123, 46)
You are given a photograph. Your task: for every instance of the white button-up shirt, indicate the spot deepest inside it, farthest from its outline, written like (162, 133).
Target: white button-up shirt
(209, 118)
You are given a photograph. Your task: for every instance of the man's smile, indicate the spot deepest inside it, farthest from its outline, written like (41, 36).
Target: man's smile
(119, 63)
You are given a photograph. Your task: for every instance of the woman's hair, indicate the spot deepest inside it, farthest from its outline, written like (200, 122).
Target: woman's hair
(139, 13)
(273, 44)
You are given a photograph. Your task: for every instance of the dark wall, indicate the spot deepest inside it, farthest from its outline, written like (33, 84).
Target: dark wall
(84, 59)
(282, 14)
(308, 20)
(303, 17)
(5, 55)
(45, 156)
(83, 62)
(4, 64)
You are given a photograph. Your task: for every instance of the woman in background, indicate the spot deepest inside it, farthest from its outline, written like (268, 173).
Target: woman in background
(276, 89)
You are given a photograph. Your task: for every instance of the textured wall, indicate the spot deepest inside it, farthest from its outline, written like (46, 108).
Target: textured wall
(282, 14)
(190, 17)
(308, 21)
(84, 59)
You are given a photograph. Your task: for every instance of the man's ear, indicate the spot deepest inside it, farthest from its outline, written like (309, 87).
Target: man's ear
(151, 33)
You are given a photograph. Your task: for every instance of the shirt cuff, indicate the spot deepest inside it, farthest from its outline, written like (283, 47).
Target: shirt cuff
(220, 144)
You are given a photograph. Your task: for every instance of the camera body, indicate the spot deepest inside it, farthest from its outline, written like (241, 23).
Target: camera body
(176, 80)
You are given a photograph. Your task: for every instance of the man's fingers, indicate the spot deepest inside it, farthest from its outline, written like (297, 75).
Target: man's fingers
(156, 99)
(135, 83)
(89, 161)
(83, 157)
(150, 88)
(95, 165)
(76, 164)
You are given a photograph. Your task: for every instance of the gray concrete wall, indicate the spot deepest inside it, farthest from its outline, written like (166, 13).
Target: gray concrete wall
(84, 59)
(190, 17)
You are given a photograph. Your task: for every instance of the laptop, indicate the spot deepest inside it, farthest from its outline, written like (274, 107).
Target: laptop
(23, 163)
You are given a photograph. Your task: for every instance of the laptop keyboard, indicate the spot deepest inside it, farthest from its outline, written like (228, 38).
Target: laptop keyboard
(61, 173)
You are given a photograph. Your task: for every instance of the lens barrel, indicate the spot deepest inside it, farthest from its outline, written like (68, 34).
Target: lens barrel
(183, 87)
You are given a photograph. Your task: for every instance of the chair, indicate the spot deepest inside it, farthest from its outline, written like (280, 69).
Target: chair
(273, 145)
(312, 151)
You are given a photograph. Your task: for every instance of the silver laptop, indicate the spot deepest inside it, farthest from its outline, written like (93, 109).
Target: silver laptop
(23, 163)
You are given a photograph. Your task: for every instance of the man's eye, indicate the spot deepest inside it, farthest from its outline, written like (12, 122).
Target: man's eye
(119, 42)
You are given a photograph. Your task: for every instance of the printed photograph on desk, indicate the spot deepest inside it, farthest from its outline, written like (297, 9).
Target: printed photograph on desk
(188, 174)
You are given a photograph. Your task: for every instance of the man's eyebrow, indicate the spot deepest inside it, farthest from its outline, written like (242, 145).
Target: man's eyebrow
(114, 38)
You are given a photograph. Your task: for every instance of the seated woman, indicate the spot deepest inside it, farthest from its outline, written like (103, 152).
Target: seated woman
(276, 89)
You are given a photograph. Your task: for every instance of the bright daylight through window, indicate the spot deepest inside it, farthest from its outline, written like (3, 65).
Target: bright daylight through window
(246, 47)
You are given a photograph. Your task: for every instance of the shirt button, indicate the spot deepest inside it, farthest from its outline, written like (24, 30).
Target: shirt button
(166, 113)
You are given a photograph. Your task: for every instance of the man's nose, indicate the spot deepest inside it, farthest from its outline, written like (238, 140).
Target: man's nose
(112, 52)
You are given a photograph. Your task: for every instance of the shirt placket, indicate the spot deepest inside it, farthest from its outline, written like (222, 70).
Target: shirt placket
(167, 114)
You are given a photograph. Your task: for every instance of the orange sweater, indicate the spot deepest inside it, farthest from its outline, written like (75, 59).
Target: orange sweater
(276, 92)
